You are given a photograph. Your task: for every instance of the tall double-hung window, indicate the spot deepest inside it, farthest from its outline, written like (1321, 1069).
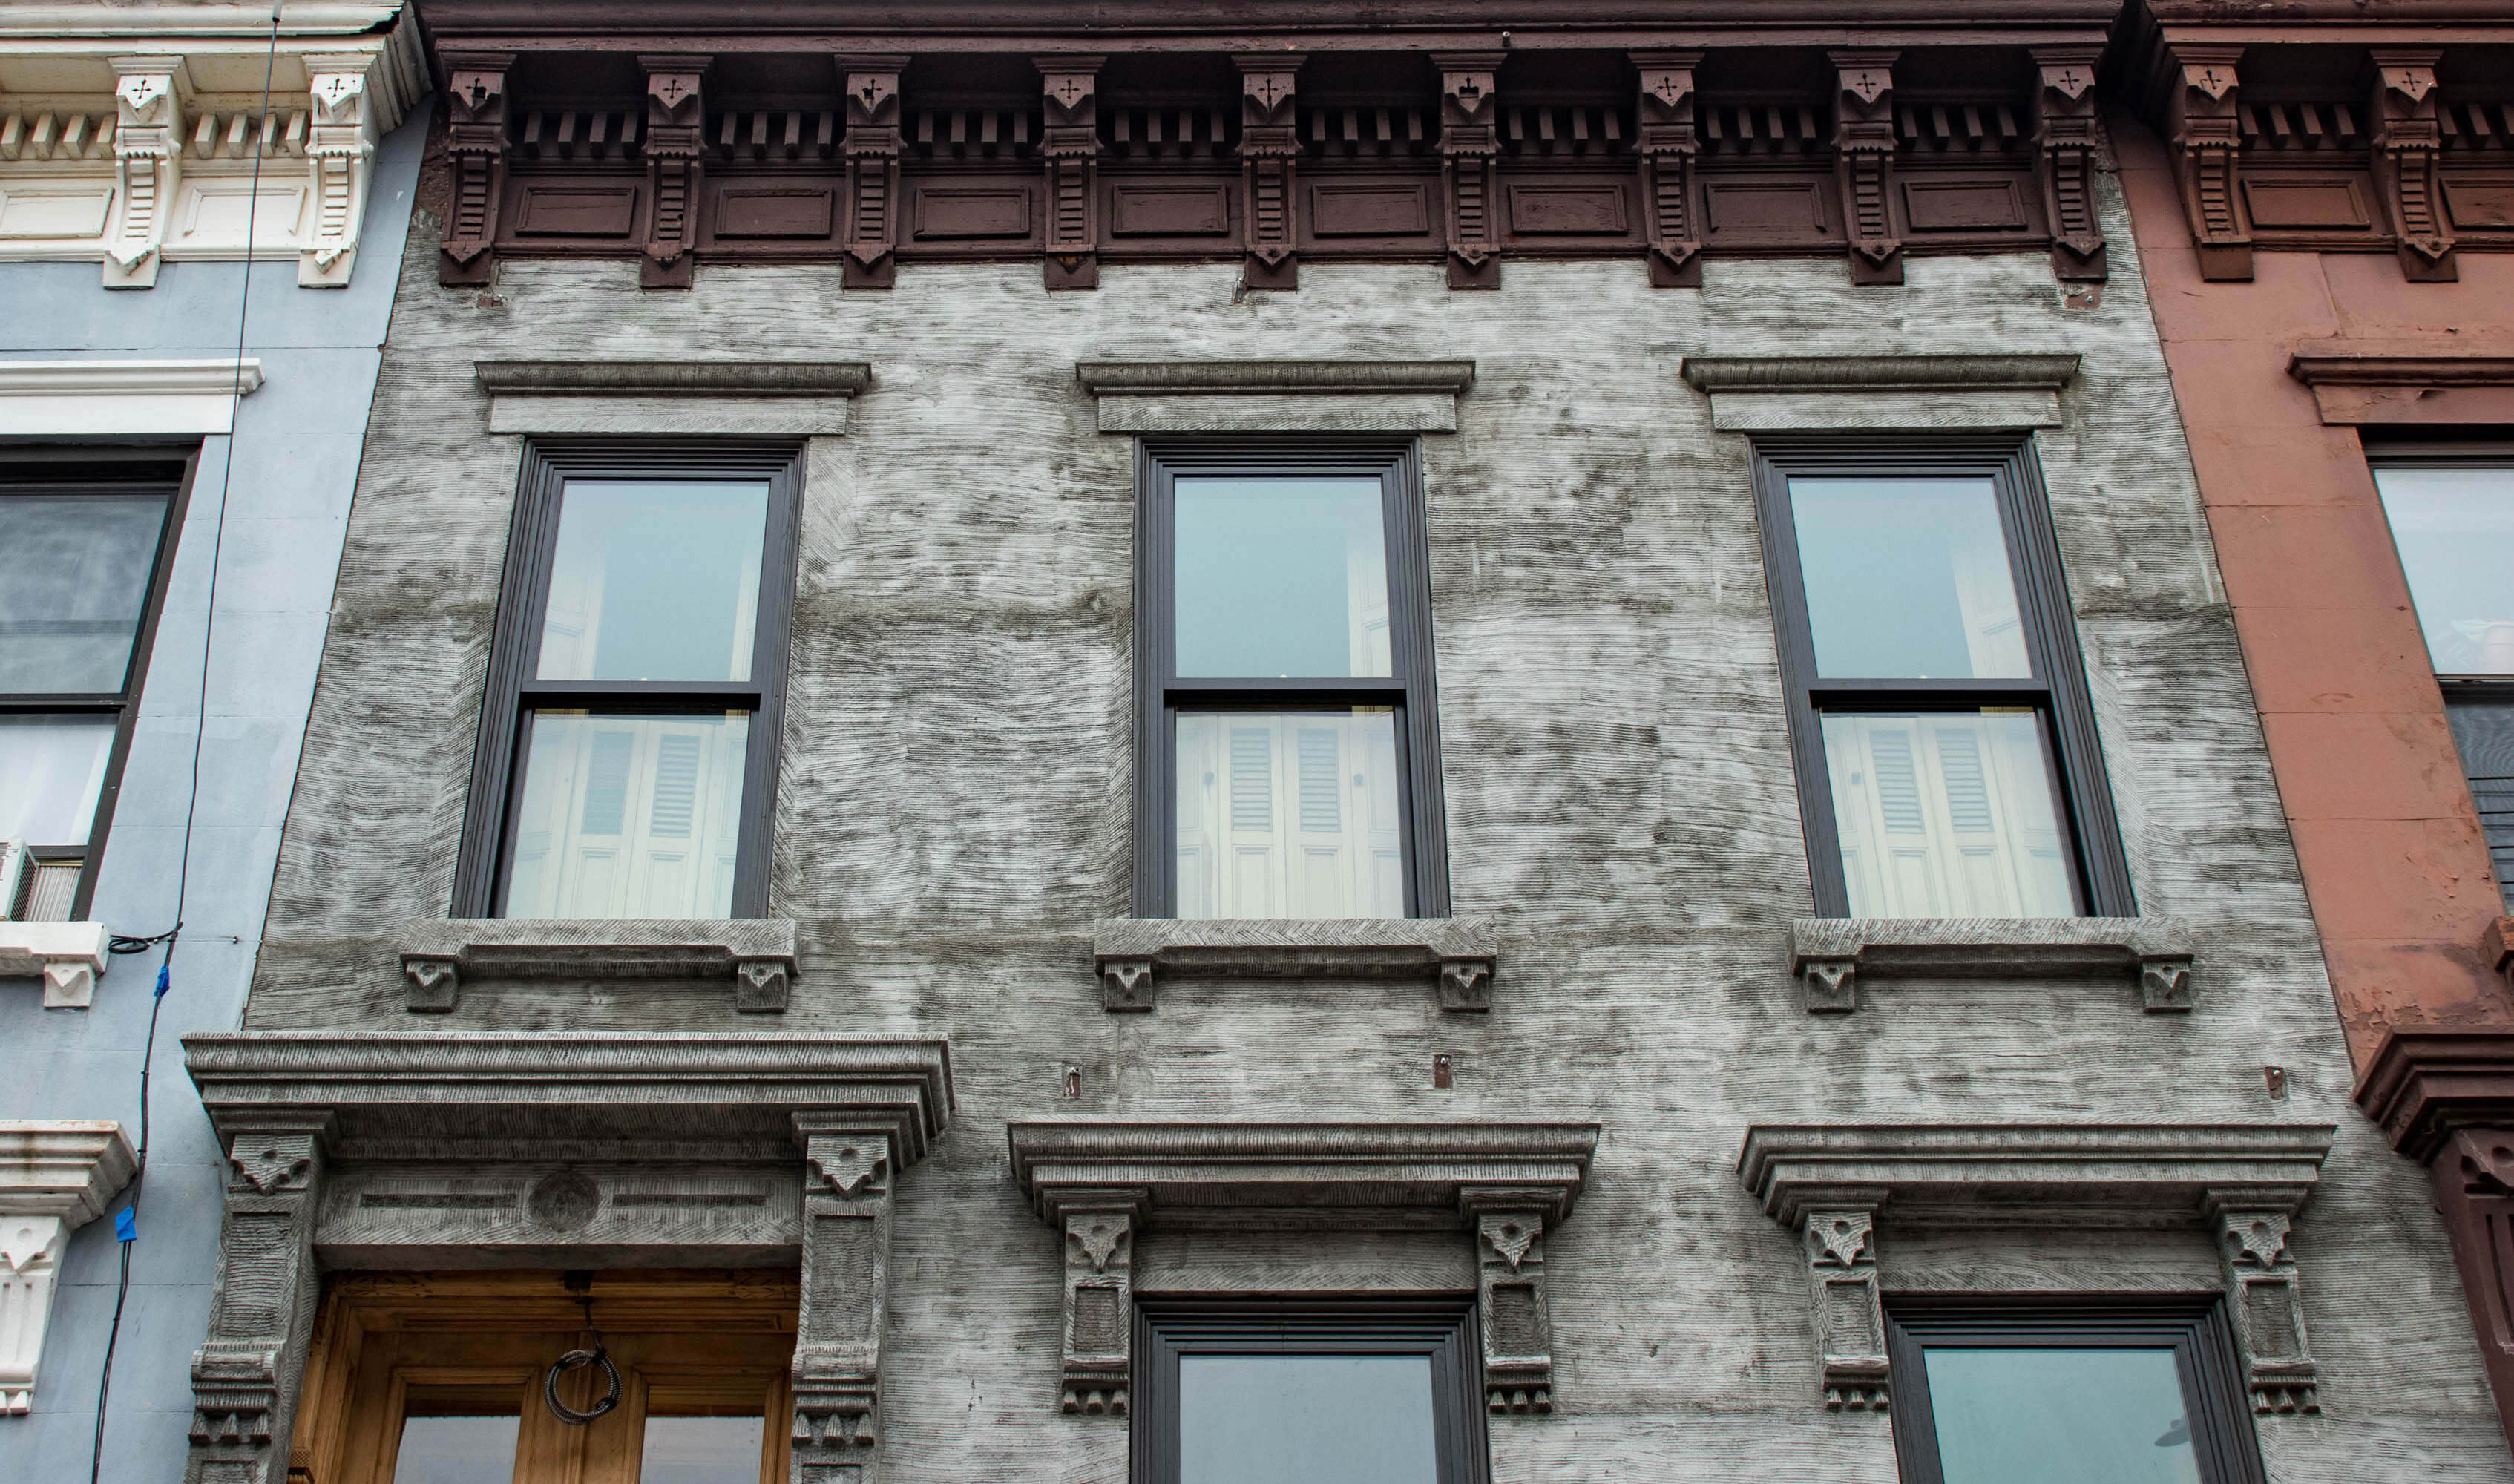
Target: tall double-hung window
(2451, 513)
(629, 736)
(1287, 762)
(1946, 752)
(85, 544)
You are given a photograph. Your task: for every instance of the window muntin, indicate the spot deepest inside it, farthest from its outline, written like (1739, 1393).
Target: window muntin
(2095, 1390)
(1287, 753)
(1947, 760)
(2454, 524)
(1364, 1420)
(627, 752)
(86, 533)
(2453, 521)
(1387, 1392)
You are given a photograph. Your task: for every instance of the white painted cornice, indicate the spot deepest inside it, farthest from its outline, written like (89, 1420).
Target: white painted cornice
(43, 20)
(61, 398)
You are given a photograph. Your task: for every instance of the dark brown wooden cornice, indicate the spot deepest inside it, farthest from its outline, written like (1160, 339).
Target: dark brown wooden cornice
(2425, 1086)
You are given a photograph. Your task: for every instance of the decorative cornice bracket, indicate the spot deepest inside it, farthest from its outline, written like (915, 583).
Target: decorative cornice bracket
(1863, 153)
(1270, 151)
(1470, 160)
(1667, 148)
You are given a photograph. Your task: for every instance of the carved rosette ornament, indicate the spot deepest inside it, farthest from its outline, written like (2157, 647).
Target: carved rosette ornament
(339, 160)
(1666, 149)
(2069, 132)
(150, 96)
(1099, 1300)
(2208, 157)
(871, 148)
(2267, 1310)
(1511, 1306)
(1841, 1243)
(261, 1314)
(675, 167)
(2408, 149)
(1863, 155)
(476, 149)
(1071, 146)
(1470, 160)
(1270, 148)
(848, 1176)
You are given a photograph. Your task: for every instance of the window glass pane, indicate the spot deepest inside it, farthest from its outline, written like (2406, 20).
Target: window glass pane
(52, 772)
(2484, 731)
(1907, 579)
(701, 1450)
(1362, 1420)
(2060, 1417)
(2455, 529)
(1281, 577)
(654, 580)
(628, 815)
(78, 579)
(456, 1450)
(1948, 813)
(1289, 813)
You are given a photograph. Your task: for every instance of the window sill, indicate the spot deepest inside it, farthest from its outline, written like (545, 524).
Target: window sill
(1132, 955)
(1831, 955)
(756, 956)
(70, 955)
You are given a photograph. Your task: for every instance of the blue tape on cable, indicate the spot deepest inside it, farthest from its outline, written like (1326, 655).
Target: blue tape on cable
(164, 984)
(126, 1225)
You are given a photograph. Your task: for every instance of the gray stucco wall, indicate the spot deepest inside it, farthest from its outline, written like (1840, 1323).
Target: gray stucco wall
(296, 445)
(953, 818)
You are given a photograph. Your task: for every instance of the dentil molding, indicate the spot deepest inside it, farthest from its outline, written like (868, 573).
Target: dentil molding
(56, 1175)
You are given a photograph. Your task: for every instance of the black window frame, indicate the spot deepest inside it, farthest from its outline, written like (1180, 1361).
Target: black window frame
(108, 471)
(2461, 691)
(1160, 693)
(1442, 1328)
(2193, 1326)
(513, 691)
(2058, 690)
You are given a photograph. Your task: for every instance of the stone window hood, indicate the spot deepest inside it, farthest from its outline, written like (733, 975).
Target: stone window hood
(1834, 1185)
(1101, 1184)
(406, 1151)
(754, 956)
(102, 398)
(714, 399)
(1831, 956)
(67, 955)
(1455, 955)
(2355, 382)
(1827, 393)
(55, 1177)
(1276, 396)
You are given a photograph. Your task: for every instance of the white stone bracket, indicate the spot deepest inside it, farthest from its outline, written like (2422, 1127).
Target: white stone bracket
(2264, 1304)
(70, 955)
(340, 164)
(850, 1174)
(151, 96)
(55, 1177)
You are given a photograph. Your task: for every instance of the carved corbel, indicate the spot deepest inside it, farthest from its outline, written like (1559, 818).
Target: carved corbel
(1466, 984)
(435, 985)
(1099, 1300)
(1667, 148)
(2267, 1310)
(150, 96)
(676, 168)
(340, 161)
(2208, 157)
(762, 985)
(31, 1270)
(1270, 149)
(2409, 148)
(2069, 132)
(1832, 986)
(1841, 1245)
(847, 1183)
(261, 1313)
(2165, 982)
(1071, 146)
(872, 147)
(1863, 158)
(2474, 1187)
(1126, 984)
(476, 149)
(1511, 1300)
(1470, 156)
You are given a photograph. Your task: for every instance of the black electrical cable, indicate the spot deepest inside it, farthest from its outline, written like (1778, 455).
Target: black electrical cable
(126, 1227)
